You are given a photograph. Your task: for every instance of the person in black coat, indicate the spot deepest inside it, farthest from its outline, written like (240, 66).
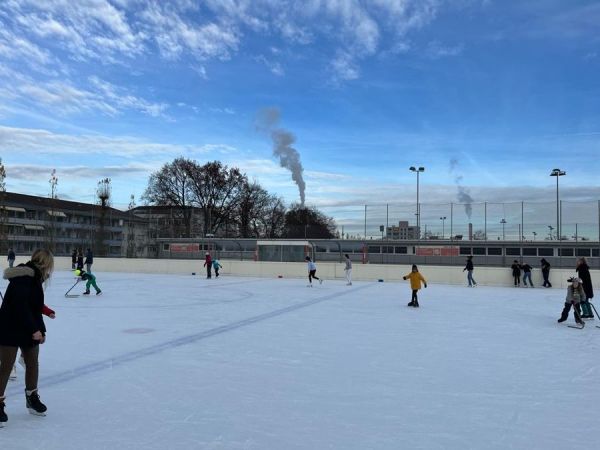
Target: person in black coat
(583, 270)
(89, 260)
(22, 325)
(469, 269)
(516, 272)
(80, 259)
(74, 259)
(545, 272)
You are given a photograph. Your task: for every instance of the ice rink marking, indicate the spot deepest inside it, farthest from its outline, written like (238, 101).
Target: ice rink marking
(109, 363)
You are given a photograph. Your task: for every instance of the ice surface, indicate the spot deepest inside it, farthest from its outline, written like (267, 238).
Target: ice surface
(181, 362)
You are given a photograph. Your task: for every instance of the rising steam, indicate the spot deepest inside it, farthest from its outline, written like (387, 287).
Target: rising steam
(463, 194)
(289, 158)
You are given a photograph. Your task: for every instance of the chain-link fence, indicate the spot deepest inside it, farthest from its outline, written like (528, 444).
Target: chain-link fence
(513, 221)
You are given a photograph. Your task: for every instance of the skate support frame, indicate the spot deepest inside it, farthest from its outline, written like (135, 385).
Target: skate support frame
(72, 295)
(595, 310)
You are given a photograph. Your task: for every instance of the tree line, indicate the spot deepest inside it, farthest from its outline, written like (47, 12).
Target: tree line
(230, 204)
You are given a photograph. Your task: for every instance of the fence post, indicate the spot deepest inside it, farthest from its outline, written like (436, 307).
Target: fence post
(365, 222)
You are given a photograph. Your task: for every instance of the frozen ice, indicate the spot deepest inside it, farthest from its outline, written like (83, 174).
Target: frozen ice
(182, 362)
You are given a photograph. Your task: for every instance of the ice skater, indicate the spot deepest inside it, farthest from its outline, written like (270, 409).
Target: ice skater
(545, 272)
(208, 264)
(469, 269)
(91, 281)
(516, 272)
(216, 265)
(575, 295)
(11, 257)
(415, 278)
(526, 274)
(22, 326)
(312, 270)
(348, 270)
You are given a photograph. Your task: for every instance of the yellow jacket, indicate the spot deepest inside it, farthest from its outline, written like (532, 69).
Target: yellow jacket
(415, 280)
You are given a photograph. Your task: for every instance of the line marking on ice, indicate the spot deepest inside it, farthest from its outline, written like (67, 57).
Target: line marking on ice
(109, 363)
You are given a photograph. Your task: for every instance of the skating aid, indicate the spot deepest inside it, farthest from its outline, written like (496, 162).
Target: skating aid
(72, 295)
(594, 308)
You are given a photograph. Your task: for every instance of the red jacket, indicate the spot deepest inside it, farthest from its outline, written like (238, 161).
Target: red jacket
(47, 311)
(207, 261)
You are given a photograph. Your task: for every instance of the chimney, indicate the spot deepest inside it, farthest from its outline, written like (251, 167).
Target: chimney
(470, 231)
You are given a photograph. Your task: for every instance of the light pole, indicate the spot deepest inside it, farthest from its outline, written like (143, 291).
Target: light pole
(534, 235)
(550, 229)
(503, 222)
(557, 173)
(443, 219)
(418, 170)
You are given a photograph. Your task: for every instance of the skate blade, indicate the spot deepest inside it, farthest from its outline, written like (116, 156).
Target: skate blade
(33, 412)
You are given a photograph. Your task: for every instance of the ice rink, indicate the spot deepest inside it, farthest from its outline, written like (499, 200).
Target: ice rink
(182, 362)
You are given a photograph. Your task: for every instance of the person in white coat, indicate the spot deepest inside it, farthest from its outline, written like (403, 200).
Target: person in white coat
(348, 270)
(312, 270)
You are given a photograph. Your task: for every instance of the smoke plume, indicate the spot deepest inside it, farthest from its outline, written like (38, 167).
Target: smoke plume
(463, 193)
(289, 158)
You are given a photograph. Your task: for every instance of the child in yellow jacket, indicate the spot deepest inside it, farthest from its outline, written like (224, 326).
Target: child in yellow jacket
(415, 278)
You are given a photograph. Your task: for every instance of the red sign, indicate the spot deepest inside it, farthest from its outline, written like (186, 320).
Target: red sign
(185, 248)
(436, 251)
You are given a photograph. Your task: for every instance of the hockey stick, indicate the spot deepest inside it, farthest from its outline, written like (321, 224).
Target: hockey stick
(577, 319)
(72, 295)
(595, 310)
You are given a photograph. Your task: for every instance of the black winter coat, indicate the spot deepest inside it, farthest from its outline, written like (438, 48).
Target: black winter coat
(586, 280)
(469, 265)
(516, 270)
(21, 311)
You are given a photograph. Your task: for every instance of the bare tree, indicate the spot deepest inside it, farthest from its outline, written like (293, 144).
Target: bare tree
(272, 218)
(215, 188)
(305, 222)
(171, 186)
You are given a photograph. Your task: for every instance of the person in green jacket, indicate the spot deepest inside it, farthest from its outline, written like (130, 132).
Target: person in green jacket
(91, 281)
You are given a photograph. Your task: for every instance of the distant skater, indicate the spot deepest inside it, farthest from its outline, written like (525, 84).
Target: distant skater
(216, 265)
(516, 273)
(526, 274)
(89, 260)
(469, 269)
(348, 270)
(91, 281)
(80, 259)
(11, 257)
(583, 271)
(575, 295)
(74, 259)
(415, 278)
(312, 270)
(208, 264)
(545, 272)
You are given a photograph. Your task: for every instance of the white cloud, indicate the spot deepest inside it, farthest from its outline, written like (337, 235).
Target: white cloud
(436, 50)
(35, 142)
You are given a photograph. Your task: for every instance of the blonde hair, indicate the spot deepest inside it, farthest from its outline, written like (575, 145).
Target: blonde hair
(44, 261)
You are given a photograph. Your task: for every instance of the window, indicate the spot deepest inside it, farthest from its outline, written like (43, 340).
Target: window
(479, 250)
(494, 251)
(465, 250)
(595, 252)
(166, 247)
(374, 249)
(401, 250)
(513, 251)
(529, 251)
(545, 251)
(566, 252)
(583, 252)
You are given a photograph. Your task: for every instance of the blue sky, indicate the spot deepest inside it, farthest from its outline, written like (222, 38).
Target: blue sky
(507, 90)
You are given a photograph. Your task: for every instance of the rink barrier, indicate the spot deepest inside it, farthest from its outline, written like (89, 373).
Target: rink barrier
(484, 276)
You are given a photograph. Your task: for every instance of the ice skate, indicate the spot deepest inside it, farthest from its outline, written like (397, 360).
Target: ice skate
(13, 374)
(34, 405)
(99, 293)
(320, 280)
(3, 416)
(86, 293)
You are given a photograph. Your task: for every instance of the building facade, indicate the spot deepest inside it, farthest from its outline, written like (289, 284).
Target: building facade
(403, 231)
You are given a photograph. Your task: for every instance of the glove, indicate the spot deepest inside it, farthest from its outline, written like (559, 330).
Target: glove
(404, 278)
(425, 284)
